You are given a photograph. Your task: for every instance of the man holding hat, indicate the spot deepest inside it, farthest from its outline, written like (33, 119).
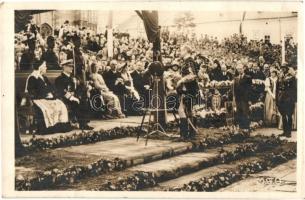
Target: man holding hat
(70, 93)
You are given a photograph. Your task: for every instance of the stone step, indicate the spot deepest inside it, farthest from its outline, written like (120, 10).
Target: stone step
(181, 164)
(70, 164)
(165, 169)
(284, 173)
(128, 151)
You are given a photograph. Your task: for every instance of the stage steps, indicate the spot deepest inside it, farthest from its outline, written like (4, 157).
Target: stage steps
(157, 174)
(81, 166)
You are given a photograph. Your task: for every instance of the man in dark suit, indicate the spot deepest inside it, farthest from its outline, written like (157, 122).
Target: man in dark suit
(286, 97)
(28, 57)
(110, 76)
(215, 72)
(138, 80)
(242, 86)
(257, 89)
(224, 75)
(70, 93)
(49, 56)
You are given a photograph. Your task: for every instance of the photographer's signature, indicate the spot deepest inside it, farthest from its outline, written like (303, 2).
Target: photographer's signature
(266, 180)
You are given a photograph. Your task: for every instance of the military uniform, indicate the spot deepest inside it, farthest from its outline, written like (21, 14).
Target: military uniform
(67, 90)
(187, 91)
(286, 96)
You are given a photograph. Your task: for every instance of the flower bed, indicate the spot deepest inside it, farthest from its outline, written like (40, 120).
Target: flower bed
(141, 180)
(218, 118)
(210, 119)
(85, 137)
(228, 177)
(55, 176)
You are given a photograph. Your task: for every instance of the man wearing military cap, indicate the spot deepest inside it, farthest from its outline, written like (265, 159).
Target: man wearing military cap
(67, 87)
(286, 97)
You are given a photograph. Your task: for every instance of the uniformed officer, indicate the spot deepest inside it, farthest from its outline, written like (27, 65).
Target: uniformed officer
(187, 89)
(67, 87)
(286, 96)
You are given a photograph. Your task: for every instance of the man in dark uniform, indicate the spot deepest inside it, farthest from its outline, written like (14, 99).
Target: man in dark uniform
(242, 90)
(49, 56)
(68, 90)
(286, 96)
(77, 56)
(187, 89)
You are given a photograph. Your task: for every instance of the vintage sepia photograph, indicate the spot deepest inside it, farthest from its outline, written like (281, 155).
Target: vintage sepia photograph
(155, 100)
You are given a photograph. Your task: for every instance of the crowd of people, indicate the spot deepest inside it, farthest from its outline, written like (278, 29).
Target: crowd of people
(253, 68)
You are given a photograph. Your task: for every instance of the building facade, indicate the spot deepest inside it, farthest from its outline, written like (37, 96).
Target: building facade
(51, 20)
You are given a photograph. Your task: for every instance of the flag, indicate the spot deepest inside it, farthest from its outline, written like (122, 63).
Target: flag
(152, 28)
(151, 24)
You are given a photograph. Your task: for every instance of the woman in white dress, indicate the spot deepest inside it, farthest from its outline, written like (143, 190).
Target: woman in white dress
(270, 113)
(111, 100)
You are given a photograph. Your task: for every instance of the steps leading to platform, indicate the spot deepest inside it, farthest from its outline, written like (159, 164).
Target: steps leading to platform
(146, 175)
(127, 156)
(76, 162)
(222, 175)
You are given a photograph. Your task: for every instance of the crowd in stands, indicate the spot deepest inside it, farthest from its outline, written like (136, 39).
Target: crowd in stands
(123, 74)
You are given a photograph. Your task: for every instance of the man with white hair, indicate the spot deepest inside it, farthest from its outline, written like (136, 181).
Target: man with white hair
(242, 89)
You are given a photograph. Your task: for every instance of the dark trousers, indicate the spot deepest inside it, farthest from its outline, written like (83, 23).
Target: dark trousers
(242, 114)
(185, 114)
(78, 111)
(286, 109)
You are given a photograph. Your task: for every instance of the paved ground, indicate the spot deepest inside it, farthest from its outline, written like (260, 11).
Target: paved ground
(279, 179)
(128, 148)
(136, 121)
(275, 131)
(97, 125)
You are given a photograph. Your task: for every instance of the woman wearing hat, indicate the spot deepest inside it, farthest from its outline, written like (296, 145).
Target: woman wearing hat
(270, 112)
(51, 113)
